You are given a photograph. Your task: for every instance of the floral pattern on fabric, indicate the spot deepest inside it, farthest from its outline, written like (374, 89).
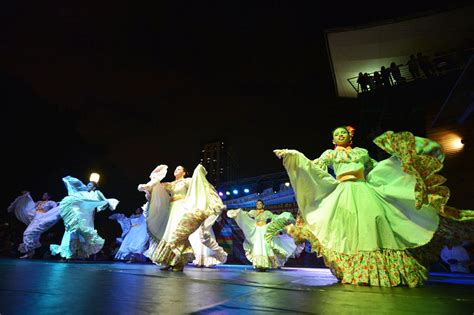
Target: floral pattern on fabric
(465, 215)
(423, 158)
(419, 163)
(273, 229)
(263, 262)
(277, 225)
(190, 223)
(384, 268)
(165, 254)
(457, 214)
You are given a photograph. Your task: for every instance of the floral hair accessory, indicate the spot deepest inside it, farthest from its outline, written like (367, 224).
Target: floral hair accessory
(351, 130)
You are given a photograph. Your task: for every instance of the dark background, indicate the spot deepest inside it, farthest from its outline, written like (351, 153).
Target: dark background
(122, 87)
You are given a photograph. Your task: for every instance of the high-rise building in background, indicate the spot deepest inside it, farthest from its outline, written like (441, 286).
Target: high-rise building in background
(219, 162)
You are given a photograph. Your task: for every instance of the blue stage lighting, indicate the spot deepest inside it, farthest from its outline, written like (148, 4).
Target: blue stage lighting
(235, 191)
(246, 190)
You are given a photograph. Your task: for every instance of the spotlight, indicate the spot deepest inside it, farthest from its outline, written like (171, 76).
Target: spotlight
(235, 191)
(94, 177)
(246, 190)
(452, 143)
(287, 184)
(227, 193)
(221, 193)
(458, 144)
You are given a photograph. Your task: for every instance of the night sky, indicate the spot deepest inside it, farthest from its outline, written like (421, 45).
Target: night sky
(120, 88)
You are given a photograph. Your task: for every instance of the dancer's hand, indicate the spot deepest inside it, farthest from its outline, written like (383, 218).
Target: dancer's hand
(290, 228)
(280, 153)
(233, 213)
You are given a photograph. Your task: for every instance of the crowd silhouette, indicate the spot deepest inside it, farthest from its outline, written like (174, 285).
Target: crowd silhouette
(417, 67)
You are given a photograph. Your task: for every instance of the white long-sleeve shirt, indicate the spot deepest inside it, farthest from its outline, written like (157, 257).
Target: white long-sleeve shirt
(460, 254)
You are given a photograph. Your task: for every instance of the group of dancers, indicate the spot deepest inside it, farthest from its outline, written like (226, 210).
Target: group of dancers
(374, 223)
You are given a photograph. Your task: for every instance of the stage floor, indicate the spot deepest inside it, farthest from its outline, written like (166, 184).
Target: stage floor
(52, 287)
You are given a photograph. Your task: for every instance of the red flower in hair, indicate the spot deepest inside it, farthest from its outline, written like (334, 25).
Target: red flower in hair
(351, 130)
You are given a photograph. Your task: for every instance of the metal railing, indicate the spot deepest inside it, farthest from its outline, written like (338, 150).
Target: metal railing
(437, 66)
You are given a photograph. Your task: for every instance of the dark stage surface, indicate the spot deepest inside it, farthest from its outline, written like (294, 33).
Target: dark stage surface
(51, 287)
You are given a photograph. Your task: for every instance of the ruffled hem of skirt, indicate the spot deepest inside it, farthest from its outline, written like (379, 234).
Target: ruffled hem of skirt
(264, 262)
(208, 261)
(382, 268)
(164, 254)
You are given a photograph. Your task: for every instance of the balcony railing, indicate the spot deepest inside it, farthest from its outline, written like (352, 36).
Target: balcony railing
(438, 65)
